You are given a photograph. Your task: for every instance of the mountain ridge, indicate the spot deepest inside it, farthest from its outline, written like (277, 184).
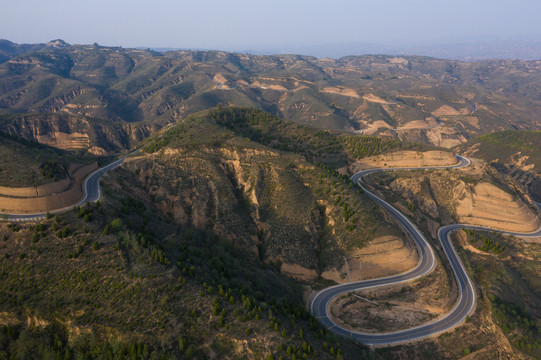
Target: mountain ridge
(411, 98)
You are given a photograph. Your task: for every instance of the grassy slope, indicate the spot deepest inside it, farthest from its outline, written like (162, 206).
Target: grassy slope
(24, 163)
(514, 153)
(144, 308)
(119, 278)
(508, 146)
(510, 286)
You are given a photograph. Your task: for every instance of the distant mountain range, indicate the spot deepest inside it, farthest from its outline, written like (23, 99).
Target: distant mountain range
(522, 48)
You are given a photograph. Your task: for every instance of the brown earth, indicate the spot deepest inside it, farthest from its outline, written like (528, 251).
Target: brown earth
(222, 81)
(406, 159)
(487, 205)
(375, 99)
(444, 136)
(374, 126)
(396, 307)
(344, 91)
(298, 272)
(445, 110)
(33, 191)
(64, 141)
(418, 124)
(449, 196)
(71, 194)
(268, 86)
(383, 256)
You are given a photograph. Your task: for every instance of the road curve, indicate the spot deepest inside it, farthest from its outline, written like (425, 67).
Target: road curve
(464, 306)
(91, 188)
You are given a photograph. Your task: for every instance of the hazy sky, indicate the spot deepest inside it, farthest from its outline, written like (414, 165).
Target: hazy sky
(221, 24)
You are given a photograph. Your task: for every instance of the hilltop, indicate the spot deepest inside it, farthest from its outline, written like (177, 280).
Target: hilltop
(10, 49)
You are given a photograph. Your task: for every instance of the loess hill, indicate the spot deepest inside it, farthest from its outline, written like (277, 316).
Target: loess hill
(185, 255)
(267, 186)
(118, 280)
(106, 99)
(505, 269)
(514, 153)
(25, 163)
(207, 243)
(193, 249)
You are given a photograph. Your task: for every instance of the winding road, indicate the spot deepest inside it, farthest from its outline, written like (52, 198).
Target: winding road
(466, 301)
(91, 187)
(320, 303)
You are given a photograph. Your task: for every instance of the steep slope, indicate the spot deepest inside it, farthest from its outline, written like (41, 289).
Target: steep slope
(504, 268)
(300, 216)
(75, 133)
(184, 255)
(477, 195)
(29, 164)
(514, 153)
(117, 280)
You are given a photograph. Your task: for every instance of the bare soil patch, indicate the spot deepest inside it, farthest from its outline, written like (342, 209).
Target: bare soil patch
(445, 110)
(375, 99)
(490, 206)
(418, 124)
(49, 196)
(407, 159)
(344, 91)
(383, 256)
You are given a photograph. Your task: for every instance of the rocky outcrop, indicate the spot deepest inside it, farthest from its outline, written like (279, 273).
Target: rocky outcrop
(247, 196)
(57, 103)
(70, 132)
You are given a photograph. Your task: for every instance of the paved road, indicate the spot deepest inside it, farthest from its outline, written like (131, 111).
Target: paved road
(91, 189)
(466, 302)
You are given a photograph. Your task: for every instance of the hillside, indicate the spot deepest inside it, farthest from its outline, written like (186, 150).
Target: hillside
(192, 251)
(25, 163)
(279, 201)
(9, 49)
(119, 96)
(477, 196)
(209, 241)
(504, 268)
(515, 153)
(116, 280)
